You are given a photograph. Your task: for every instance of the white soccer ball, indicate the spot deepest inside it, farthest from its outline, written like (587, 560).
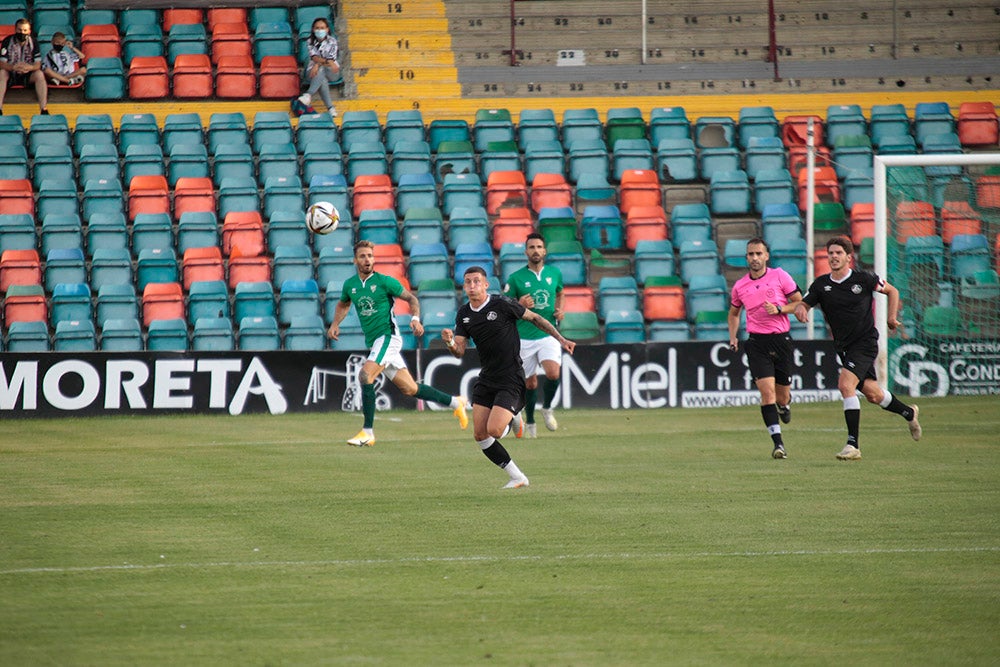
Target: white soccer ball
(322, 217)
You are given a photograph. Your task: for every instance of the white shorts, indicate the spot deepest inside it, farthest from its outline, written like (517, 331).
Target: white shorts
(536, 350)
(386, 352)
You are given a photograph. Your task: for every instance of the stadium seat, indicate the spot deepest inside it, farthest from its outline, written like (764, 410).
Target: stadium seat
(259, 333)
(74, 336)
(121, 335)
(186, 39)
(243, 234)
(192, 76)
(421, 226)
(197, 229)
(193, 195)
(235, 77)
(706, 292)
(969, 254)
(60, 231)
(467, 225)
(714, 159)
(454, 157)
(826, 186)
(147, 78)
(277, 160)
(556, 224)
(428, 261)
(162, 301)
(932, 118)
(601, 228)
(20, 267)
(593, 189)
(505, 189)
(404, 125)
(668, 123)
(624, 123)
(711, 325)
(512, 226)
(298, 297)
(62, 265)
(977, 124)
(416, 191)
(411, 158)
(116, 301)
(16, 196)
(550, 191)
(632, 155)
(378, 225)
(914, 218)
(645, 223)
(17, 232)
(764, 153)
(859, 188)
(729, 193)
(306, 332)
(697, 258)
(13, 163)
(283, 193)
(492, 125)
(844, 120)
(231, 40)
(28, 336)
(536, 125)
(639, 187)
(139, 41)
(366, 159)
(24, 303)
(279, 77)
(156, 265)
(583, 328)
(253, 299)
(148, 194)
(99, 162)
(143, 160)
(238, 195)
(943, 322)
(292, 263)
(512, 258)
(50, 129)
(287, 228)
(957, 217)
(585, 156)
(202, 265)
(795, 131)
(715, 132)
(653, 258)
(110, 266)
(53, 163)
(756, 123)
(167, 335)
(773, 186)
(663, 298)
(617, 293)
(567, 256)
(138, 128)
(499, 156)
(472, 254)
(273, 39)
(790, 255)
(624, 326)
(461, 190)
(852, 153)
(676, 160)
(888, 120)
(690, 222)
(781, 221)
(581, 125)
(218, 15)
(213, 334)
(579, 299)
(71, 301)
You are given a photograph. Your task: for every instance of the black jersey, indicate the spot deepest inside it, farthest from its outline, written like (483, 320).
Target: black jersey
(847, 305)
(493, 328)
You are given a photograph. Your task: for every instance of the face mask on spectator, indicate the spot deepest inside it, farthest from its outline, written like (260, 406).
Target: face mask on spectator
(21, 37)
(57, 47)
(320, 34)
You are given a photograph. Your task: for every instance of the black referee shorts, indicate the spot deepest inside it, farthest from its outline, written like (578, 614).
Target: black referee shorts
(859, 358)
(509, 396)
(770, 355)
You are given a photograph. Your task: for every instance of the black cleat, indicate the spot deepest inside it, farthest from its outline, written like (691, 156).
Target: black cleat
(785, 413)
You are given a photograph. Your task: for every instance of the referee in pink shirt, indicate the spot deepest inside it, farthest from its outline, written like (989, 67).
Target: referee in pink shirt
(768, 346)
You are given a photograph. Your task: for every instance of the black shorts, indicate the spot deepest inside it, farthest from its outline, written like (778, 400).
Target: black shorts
(509, 396)
(859, 358)
(770, 355)
(19, 79)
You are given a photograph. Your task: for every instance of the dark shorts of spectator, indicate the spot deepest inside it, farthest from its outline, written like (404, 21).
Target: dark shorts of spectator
(507, 396)
(859, 358)
(20, 79)
(770, 355)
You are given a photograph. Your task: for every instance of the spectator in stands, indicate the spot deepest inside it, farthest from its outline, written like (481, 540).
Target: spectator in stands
(323, 68)
(63, 64)
(21, 64)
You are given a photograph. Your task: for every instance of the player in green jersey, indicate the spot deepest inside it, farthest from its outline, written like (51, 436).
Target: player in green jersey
(539, 288)
(373, 294)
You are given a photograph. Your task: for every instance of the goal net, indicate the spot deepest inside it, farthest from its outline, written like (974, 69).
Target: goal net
(937, 240)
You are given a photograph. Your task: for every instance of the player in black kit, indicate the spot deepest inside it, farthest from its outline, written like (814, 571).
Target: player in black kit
(491, 322)
(846, 298)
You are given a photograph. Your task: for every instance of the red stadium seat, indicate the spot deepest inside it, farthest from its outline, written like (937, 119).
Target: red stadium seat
(219, 15)
(664, 302)
(373, 192)
(826, 187)
(193, 194)
(987, 191)
(101, 41)
(231, 40)
(512, 226)
(279, 77)
(147, 78)
(248, 269)
(977, 124)
(20, 267)
(148, 194)
(243, 230)
(235, 78)
(645, 223)
(192, 76)
(794, 131)
(958, 217)
(25, 303)
(914, 218)
(862, 222)
(16, 196)
(550, 191)
(389, 261)
(162, 301)
(579, 299)
(639, 187)
(172, 17)
(202, 264)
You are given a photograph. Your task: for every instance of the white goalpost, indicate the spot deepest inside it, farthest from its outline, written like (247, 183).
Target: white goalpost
(881, 198)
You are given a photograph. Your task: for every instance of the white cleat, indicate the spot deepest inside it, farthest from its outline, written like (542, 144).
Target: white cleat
(517, 483)
(517, 426)
(915, 431)
(550, 419)
(530, 431)
(849, 453)
(362, 439)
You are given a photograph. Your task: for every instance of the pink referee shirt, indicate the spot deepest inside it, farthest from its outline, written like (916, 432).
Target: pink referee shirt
(773, 286)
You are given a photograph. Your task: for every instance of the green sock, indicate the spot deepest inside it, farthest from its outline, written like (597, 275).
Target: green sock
(530, 397)
(429, 393)
(549, 389)
(368, 404)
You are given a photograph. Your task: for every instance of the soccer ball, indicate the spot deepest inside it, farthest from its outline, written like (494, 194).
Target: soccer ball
(322, 217)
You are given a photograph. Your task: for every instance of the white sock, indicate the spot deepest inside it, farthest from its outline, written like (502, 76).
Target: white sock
(514, 471)
(369, 431)
(852, 403)
(454, 402)
(886, 400)
(487, 443)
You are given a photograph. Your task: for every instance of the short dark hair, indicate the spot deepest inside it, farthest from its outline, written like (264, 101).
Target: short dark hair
(363, 243)
(758, 241)
(843, 242)
(534, 235)
(475, 269)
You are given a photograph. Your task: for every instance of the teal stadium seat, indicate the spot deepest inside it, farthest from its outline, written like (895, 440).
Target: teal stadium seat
(601, 228)
(467, 224)
(306, 332)
(536, 125)
(653, 258)
(74, 336)
(71, 301)
(167, 335)
(581, 125)
(213, 334)
(404, 125)
(53, 162)
(617, 293)
(757, 122)
(259, 333)
(422, 226)
(698, 258)
(668, 123)
(253, 299)
(568, 257)
(623, 327)
(121, 335)
(416, 191)
(359, 127)
(690, 222)
(62, 231)
(208, 298)
(729, 192)
(116, 301)
(298, 297)
(844, 120)
(676, 160)
(447, 129)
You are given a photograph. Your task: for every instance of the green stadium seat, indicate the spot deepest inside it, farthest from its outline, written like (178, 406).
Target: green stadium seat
(581, 327)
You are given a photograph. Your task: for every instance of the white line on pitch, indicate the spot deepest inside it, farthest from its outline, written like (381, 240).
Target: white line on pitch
(486, 558)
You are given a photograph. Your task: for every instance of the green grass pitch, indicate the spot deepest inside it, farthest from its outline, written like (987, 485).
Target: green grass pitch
(646, 538)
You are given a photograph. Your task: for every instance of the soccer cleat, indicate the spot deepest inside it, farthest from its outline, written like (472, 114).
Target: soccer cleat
(779, 453)
(461, 414)
(785, 413)
(849, 453)
(530, 431)
(915, 431)
(362, 439)
(550, 419)
(516, 483)
(517, 426)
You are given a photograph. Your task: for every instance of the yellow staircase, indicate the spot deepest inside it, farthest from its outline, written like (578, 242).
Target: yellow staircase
(400, 52)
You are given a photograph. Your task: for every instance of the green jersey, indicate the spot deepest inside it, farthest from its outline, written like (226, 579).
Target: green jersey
(543, 288)
(373, 299)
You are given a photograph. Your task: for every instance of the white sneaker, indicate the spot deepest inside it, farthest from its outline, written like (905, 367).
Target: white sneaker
(530, 431)
(517, 483)
(333, 112)
(915, 431)
(306, 99)
(849, 453)
(550, 419)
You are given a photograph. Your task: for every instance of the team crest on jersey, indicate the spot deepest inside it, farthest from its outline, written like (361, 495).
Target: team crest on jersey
(548, 281)
(856, 289)
(492, 315)
(366, 306)
(769, 293)
(372, 288)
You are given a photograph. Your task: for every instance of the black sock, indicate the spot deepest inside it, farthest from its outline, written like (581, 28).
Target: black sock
(530, 398)
(853, 419)
(497, 454)
(770, 414)
(900, 408)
